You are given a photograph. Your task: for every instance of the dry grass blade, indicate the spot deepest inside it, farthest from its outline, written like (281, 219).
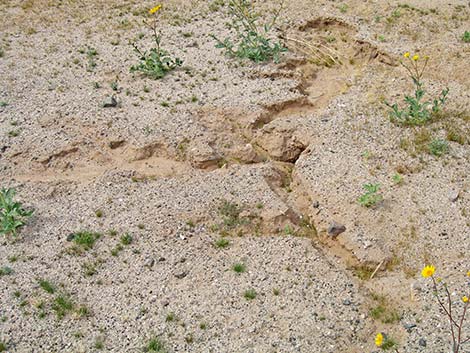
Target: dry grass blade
(317, 52)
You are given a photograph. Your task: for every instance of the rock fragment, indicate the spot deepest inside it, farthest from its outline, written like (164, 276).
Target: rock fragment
(336, 229)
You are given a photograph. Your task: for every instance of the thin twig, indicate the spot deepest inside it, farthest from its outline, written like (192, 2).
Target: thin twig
(376, 269)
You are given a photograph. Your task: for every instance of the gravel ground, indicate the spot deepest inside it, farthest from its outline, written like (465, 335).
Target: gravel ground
(226, 162)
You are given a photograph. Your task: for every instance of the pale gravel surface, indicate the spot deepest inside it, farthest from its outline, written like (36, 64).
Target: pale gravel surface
(63, 166)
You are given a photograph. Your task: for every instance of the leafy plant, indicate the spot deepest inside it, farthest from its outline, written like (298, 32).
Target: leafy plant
(418, 112)
(250, 294)
(253, 40)
(386, 343)
(156, 62)
(371, 196)
(230, 213)
(438, 147)
(47, 286)
(447, 304)
(239, 267)
(62, 305)
(155, 345)
(12, 214)
(85, 239)
(222, 243)
(397, 178)
(91, 53)
(126, 239)
(5, 270)
(466, 37)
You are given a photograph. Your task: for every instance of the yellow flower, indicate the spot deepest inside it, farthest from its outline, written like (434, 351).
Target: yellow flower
(415, 57)
(428, 271)
(155, 9)
(406, 55)
(379, 339)
(465, 299)
(468, 274)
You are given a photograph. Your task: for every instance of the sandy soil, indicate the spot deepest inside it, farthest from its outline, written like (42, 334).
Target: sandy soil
(285, 148)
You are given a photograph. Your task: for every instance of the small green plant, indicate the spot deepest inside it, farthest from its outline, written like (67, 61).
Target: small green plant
(239, 267)
(466, 37)
(47, 286)
(230, 213)
(91, 53)
(89, 269)
(250, 294)
(222, 243)
(126, 239)
(456, 316)
(5, 270)
(438, 147)
(371, 196)
(253, 40)
(99, 344)
(343, 8)
(418, 112)
(62, 305)
(12, 214)
(385, 342)
(155, 345)
(3, 104)
(397, 179)
(3, 347)
(156, 62)
(85, 239)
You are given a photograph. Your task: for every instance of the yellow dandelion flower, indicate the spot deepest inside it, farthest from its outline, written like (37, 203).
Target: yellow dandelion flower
(406, 55)
(465, 299)
(155, 9)
(415, 57)
(379, 339)
(428, 271)
(468, 274)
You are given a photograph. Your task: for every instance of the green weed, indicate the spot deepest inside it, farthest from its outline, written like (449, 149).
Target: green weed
(253, 40)
(438, 147)
(371, 196)
(12, 214)
(156, 62)
(418, 112)
(250, 294)
(155, 345)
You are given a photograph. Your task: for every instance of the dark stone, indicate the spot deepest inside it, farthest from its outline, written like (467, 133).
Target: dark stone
(422, 342)
(116, 144)
(336, 229)
(181, 274)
